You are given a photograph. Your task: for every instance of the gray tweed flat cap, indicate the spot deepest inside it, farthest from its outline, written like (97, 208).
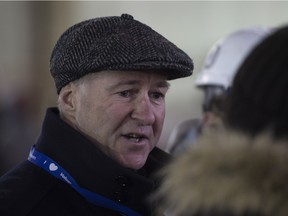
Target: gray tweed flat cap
(115, 43)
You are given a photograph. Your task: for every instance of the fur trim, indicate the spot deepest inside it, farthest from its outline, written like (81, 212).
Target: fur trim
(229, 171)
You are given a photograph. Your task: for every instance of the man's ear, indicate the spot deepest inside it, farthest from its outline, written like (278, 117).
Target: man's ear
(67, 98)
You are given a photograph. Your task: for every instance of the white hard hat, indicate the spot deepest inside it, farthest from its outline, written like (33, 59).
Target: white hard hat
(227, 54)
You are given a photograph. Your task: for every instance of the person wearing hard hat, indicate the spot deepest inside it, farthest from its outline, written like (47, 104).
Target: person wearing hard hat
(215, 78)
(240, 170)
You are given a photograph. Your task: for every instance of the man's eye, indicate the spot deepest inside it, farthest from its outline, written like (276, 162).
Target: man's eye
(157, 95)
(124, 93)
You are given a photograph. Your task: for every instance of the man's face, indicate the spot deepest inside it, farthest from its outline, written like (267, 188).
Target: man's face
(123, 111)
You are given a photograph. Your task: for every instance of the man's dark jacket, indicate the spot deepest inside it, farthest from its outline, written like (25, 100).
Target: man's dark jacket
(30, 190)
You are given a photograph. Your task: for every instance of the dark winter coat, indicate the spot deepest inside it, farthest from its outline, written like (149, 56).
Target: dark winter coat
(28, 190)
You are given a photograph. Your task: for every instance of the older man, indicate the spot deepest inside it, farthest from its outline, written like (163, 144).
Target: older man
(97, 153)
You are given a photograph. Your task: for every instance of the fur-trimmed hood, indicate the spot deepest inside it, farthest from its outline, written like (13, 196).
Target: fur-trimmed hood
(228, 171)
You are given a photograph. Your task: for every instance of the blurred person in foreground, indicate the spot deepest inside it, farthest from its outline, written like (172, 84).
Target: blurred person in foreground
(242, 170)
(220, 66)
(97, 152)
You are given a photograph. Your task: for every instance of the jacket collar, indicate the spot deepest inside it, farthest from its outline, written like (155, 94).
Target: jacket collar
(90, 167)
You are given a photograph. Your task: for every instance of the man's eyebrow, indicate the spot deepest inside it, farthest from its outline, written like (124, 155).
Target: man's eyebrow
(161, 84)
(122, 83)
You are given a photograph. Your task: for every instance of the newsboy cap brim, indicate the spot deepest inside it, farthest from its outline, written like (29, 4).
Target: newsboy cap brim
(115, 43)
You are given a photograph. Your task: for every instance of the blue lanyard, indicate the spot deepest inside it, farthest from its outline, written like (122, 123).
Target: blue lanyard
(57, 171)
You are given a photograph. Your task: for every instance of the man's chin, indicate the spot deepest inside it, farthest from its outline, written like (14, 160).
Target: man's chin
(134, 162)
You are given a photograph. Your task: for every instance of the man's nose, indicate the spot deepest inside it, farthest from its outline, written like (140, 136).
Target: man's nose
(144, 111)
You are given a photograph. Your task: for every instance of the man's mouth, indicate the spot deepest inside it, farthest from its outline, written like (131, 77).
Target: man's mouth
(135, 137)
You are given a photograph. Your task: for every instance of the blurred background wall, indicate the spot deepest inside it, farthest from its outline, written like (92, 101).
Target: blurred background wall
(30, 29)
